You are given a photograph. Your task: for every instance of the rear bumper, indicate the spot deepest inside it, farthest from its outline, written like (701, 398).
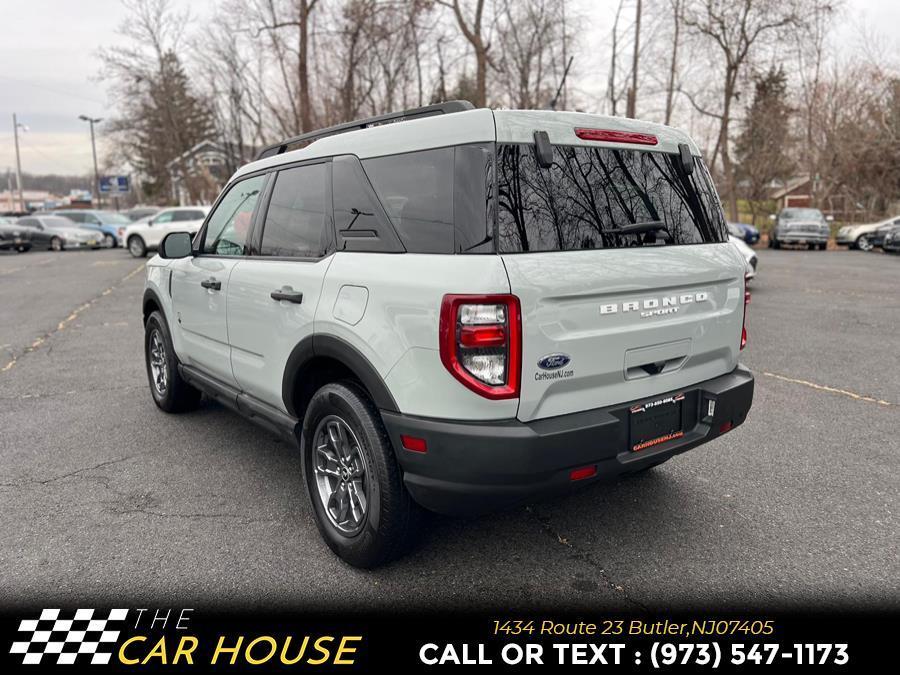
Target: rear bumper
(475, 467)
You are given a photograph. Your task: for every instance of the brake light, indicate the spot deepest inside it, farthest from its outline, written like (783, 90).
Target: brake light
(481, 343)
(611, 136)
(744, 321)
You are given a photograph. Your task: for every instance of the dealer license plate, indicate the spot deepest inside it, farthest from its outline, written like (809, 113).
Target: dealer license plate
(656, 422)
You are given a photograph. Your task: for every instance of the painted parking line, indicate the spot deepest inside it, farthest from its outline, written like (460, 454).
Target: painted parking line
(62, 325)
(831, 390)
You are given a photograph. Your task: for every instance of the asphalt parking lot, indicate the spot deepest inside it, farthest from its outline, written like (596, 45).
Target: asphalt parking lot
(104, 498)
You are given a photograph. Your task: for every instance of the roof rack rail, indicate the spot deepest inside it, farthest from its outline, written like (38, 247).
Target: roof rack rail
(444, 108)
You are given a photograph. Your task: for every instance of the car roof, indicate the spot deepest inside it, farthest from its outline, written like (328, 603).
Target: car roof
(481, 125)
(183, 208)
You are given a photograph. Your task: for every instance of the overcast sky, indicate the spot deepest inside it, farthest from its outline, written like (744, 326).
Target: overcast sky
(48, 67)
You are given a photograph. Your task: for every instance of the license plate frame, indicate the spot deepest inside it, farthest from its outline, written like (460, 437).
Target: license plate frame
(655, 422)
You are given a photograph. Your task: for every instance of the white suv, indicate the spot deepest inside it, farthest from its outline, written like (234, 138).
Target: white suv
(146, 234)
(457, 309)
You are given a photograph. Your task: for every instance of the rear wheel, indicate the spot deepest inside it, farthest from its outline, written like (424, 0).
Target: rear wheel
(170, 392)
(24, 248)
(56, 244)
(136, 246)
(109, 241)
(363, 511)
(776, 244)
(863, 243)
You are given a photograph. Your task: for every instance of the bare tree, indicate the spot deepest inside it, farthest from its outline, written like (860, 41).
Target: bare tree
(631, 106)
(734, 28)
(676, 7)
(474, 32)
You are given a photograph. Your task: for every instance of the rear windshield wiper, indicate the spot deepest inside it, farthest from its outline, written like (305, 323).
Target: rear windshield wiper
(640, 228)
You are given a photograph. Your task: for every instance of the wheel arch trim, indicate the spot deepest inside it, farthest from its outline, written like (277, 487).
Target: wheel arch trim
(329, 346)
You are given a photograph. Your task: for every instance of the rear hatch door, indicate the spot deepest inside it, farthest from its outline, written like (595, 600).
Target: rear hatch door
(628, 285)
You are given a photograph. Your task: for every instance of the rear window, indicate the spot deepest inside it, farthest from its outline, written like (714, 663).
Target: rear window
(437, 200)
(589, 194)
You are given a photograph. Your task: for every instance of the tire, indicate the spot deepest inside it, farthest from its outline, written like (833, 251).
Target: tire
(863, 243)
(24, 249)
(136, 246)
(109, 241)
(339, 416)
(823, 247)
(56, 244)
(776, 244)
(170, 392)
(812, 247)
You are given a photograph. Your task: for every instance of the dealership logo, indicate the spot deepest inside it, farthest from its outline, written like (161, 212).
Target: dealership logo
(88, 636)
(658, 306)
(554, 361)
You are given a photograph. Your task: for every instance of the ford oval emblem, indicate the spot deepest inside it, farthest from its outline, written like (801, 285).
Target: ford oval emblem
(553, 361)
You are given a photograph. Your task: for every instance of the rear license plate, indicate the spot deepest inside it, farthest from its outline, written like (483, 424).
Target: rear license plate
(656, 422)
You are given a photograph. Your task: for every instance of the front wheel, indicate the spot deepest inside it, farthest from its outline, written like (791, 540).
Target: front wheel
(363, 511)
(109, 241)
(864, 243)
(137, 247)
(170, 392)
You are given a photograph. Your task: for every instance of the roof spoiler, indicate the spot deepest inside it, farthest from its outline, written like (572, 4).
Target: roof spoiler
(444, 108)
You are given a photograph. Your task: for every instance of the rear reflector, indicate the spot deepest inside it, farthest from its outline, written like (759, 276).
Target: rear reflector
(726, 427)
(744, 321)
(611, 136)
(583, 472)
(413, 443)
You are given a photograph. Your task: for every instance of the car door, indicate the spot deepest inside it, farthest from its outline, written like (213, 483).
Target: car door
(200, 282)
(39, 235)
(157, 228)
(273, 294)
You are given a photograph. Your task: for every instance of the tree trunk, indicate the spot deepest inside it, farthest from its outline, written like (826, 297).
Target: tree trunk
(306, 122)
(631, 109)
(673, 62)
(727, 167)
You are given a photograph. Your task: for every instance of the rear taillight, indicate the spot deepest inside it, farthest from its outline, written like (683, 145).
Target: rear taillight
(744, 321)
(611, 136)
(481, 342)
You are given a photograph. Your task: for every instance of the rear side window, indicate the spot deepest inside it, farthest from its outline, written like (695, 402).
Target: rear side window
(589, 194)
(295, 220)
(437, 200)
(184, 216)
(360, 221)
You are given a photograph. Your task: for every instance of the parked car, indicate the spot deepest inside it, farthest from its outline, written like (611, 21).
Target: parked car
(891, 242)
(800, 227)
(745, 232)
(859, 236)
(749, 254)
(141, 212)
(876, 238)
(107, 222)
(14, 237)
(57, 233)
(145, 235)
(430, 346)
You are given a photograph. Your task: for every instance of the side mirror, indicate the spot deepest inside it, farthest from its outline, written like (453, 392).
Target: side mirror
(175, 245)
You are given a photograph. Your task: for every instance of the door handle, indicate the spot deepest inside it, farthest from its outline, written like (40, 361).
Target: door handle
(287, 293)
(212, 284)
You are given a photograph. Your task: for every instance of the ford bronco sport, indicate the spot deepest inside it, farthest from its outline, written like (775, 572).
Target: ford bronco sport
(458, 309)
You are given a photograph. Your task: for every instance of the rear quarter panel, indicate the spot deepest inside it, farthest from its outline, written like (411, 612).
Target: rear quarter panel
(398, 327)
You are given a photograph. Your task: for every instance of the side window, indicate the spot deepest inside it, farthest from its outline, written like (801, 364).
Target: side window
(416, 189)
(227, 227)
(184, 216)
(28, 222)
(164, 217)
(295, 222)
(358, 217)
(77, 217)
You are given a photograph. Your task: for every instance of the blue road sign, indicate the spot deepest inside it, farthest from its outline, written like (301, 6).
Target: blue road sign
(115, 184)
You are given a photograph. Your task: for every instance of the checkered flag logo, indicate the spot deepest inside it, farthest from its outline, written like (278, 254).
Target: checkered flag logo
(65, 640)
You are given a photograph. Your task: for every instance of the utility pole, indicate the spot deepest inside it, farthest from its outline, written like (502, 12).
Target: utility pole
(92, 121)
(16, 126)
